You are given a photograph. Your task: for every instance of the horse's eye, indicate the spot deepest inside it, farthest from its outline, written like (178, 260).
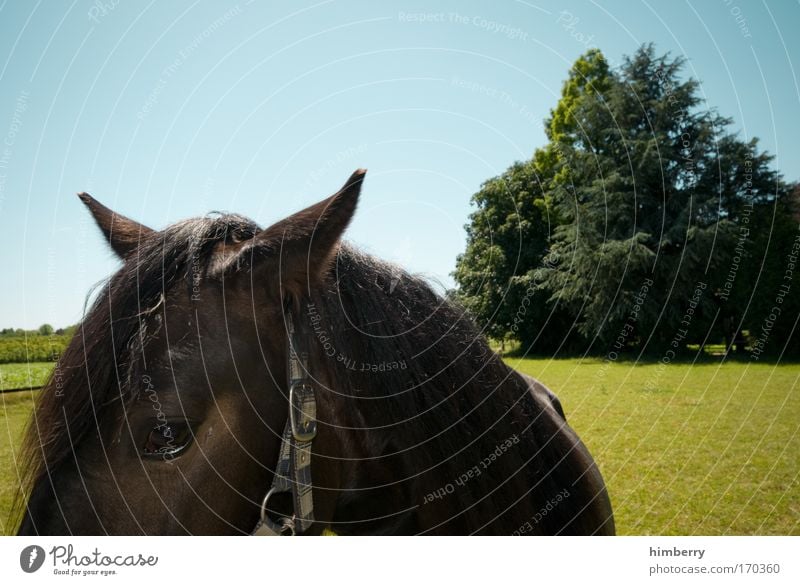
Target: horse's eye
(168, 439)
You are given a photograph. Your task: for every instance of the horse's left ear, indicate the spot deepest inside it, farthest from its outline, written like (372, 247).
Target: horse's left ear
(122, 234)
(308, 240)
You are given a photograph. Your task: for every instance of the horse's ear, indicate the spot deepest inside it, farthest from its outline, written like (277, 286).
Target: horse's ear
(308, 240)
(123, 234)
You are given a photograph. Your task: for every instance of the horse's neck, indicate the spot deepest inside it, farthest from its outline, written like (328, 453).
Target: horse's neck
(361, 513)
(368, 499)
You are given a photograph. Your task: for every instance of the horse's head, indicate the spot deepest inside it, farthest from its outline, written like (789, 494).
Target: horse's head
(165, 413)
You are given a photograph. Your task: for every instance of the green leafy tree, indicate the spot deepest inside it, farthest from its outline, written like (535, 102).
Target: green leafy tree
(500, 273)
(626, 222)
(507, 236)
(45, 329)
(648, 222)
(759, 292)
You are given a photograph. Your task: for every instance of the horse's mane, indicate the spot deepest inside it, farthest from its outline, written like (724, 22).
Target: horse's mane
(378, 316)
(433, 397)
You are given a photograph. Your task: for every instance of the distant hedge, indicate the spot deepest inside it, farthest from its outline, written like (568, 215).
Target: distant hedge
(34, 348)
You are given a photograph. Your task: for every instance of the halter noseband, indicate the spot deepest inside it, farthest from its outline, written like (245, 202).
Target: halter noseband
(293, 470)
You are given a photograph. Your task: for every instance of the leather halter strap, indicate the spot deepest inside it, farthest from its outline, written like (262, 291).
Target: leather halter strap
(293, 470)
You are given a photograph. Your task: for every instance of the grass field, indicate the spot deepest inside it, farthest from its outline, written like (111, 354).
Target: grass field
(703, 449)
(14, 411)
(684, 449)
(24, 375)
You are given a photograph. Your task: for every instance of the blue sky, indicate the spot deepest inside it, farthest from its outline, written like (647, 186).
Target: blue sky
(169, 110)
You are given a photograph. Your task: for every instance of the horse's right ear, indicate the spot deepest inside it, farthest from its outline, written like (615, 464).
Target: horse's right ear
(122, 234)
(307, 241)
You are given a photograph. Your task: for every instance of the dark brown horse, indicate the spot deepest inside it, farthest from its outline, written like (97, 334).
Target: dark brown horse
(167, 412)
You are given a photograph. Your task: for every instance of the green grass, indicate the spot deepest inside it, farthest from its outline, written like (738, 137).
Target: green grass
(15, 409)
(703, 449)
(24, 375)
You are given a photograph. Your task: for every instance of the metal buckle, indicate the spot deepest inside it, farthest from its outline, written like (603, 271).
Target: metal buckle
(267, 526)
(303, 412)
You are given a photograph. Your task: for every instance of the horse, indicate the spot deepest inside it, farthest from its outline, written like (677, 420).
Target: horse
(234, 380)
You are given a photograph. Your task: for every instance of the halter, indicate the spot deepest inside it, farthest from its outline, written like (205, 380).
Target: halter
(293, 470)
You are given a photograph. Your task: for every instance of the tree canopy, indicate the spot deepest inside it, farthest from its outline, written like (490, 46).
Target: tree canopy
(644, 222)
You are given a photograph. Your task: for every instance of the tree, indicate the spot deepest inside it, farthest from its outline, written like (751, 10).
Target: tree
(627, 221)
(45, 329)
(651, 205)
(499, 274)
(507, 236)
(759, 293)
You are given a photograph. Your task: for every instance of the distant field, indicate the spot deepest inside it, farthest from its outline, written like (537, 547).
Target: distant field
(24, 375)
(704, 449)
(32, 348)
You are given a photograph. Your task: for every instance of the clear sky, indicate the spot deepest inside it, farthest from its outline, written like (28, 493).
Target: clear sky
(173, 109)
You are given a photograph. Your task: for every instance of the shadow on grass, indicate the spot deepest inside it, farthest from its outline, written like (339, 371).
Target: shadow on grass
(653, 358)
